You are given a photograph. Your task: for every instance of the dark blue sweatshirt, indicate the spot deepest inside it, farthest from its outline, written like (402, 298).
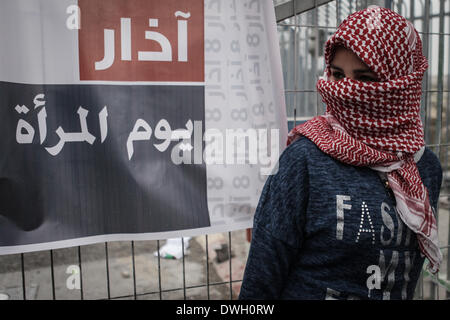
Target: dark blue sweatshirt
(327, 230)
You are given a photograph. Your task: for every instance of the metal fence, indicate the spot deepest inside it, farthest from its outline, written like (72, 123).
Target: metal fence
(124, 270)
(129, 270)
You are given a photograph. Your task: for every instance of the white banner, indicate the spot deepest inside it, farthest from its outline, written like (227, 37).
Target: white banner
(135, 120)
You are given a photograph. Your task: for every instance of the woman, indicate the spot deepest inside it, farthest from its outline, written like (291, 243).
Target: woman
(350, 213)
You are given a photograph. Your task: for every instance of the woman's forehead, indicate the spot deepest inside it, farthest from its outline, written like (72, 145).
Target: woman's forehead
(344, 58)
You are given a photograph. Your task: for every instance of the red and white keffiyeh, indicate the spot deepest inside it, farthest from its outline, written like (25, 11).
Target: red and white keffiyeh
(377, 124)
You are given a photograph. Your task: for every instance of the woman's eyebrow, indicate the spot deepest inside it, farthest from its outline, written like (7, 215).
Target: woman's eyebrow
(334, 67)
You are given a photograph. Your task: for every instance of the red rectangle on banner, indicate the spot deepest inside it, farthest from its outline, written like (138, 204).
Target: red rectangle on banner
(142, 40)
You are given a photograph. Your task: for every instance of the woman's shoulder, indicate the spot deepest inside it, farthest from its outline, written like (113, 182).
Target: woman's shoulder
(429, 162)
(301, 148)
(295, 158)
(431, 173)
(304, 152)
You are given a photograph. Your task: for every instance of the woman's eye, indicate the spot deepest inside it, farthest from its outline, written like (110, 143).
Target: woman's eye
(338, 75)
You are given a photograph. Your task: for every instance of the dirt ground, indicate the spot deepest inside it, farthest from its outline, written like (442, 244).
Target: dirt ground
(153, 279)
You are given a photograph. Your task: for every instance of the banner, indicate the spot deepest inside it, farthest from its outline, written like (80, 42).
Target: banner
(135, 119)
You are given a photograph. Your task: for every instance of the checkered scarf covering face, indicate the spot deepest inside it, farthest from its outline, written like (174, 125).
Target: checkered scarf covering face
(377, 124)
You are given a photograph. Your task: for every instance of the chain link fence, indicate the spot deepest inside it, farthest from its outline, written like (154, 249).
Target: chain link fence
(212, 266)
